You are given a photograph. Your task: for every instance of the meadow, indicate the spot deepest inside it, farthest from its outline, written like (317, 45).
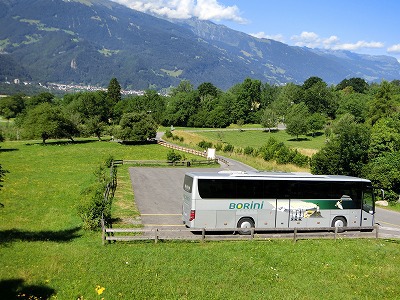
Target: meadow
(44, 253)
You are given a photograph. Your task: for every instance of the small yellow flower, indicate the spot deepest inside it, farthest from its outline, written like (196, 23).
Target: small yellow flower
(99, 290)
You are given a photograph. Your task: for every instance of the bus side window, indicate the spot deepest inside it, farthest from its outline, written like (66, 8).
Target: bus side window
(368, 201)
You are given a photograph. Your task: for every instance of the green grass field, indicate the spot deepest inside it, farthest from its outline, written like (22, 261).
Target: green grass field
(258, 138)
(44, 253)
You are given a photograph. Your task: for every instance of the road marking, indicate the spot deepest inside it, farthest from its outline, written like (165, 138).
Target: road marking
(395, 225)
(160, 215)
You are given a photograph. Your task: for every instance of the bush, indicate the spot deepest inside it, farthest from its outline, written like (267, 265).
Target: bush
(248, 150)
(218, 147)
(94, 204)
(173, 157)
(278, 151)
(168, 134)
(228, 148)
(205, 145)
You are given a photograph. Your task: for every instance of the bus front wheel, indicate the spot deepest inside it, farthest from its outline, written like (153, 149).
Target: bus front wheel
(245, 225)
(339, 222)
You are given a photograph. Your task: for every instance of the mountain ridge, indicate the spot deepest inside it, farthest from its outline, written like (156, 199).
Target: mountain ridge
(91, 41)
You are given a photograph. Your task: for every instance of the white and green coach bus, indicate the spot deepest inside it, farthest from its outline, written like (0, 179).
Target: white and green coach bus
(275, 200)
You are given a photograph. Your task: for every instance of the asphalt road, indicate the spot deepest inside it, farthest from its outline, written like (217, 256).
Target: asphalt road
(158, 196)
(389, 223)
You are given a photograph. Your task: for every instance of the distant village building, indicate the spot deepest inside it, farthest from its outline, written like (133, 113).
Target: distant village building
(17, 81)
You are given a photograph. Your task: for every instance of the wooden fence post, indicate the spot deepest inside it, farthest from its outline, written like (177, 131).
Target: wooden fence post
(295, 235)
(336, 232)
(103, 231)
(156, 237)
(376, 231)
(203, 235)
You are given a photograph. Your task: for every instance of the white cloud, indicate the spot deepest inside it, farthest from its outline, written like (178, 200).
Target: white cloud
(358, 45)
(185, 9)
(263, 35)
(312, 40)
(307, 39)
(394, 49)
(329, 41)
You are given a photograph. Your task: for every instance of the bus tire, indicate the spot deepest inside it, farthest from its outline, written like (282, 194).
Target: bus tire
(339, 222)
(245, 225)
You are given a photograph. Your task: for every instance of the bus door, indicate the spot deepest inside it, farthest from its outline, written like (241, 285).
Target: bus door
(282, 213)
(368, 208)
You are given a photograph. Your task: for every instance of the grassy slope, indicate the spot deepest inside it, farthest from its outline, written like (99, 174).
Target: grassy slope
(43, 251)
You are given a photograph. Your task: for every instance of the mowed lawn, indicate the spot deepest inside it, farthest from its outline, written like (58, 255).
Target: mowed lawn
(44, 254)
(258, 138)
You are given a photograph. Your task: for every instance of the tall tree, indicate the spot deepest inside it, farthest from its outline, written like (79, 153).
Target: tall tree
(269, 119)
(47, 121)
(311, 81)
(180, 108)
(184, 87)
(384, 104)
(359, 85)
(207, 89)
(45, 97)
(345, 153)
(384, 172)
(113, 94)
(11, 106)
(286, 97)
(269, 93)
(137, 127)
(355, 104)
(297, 120)
(321, 99)
(385, 137)
(246, 100)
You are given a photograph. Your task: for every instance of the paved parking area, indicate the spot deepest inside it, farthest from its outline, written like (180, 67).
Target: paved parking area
(158, 194)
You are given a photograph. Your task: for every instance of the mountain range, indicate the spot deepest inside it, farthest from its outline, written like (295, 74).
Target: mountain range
(91, 41)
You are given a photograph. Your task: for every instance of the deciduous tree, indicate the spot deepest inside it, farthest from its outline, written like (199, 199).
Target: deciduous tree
(137, 127)
(346, 152)
(297, 120)
(47, 121)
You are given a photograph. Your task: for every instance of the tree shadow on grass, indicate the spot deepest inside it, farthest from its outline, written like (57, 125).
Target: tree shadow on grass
(16, 289)
(8, 149)
(299, 139)
(63, 142)
(13, 235)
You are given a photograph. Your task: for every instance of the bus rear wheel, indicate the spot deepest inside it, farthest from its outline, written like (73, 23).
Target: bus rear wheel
(245, 225)
(339, 222)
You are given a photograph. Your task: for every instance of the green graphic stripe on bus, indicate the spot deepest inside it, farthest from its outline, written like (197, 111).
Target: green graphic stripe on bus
(247, 205)
(333, 204)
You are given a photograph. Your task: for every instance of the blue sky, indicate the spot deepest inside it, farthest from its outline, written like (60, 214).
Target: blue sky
(361, 26)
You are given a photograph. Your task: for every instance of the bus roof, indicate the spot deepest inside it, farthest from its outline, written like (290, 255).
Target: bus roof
(272, 175)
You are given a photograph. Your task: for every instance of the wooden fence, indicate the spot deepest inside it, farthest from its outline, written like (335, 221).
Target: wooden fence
(229, 234)
(191, 151)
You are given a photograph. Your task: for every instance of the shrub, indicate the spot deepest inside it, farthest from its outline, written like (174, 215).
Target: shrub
(218, 147)
(278, 151)
(204, 145)
(93, 206)
(228, 148)
(95, 202)
(168, 134)
(173, 157)
(248, 150)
